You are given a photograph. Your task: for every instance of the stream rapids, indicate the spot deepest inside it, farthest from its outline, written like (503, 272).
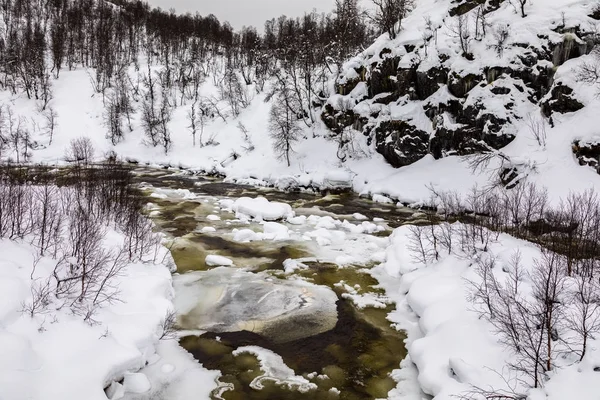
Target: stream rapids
(296, 314)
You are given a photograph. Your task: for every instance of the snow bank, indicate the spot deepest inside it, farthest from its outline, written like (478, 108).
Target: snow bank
(54, 354)
(452, 347)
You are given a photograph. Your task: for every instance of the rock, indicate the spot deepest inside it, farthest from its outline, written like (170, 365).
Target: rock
(401, 143)
(587, 154)
(460, 86)
(336, 120)
(561, 100)
(465, 6)
(428, 82)
(380, 81)
(229, 300)
(458, 141)
(405, 84)
(508, 177)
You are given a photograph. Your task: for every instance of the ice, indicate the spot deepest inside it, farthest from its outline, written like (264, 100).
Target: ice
(275, 370)
(290, 266)
(337, 179)
(208, 229)
(230, 300)
(362, 301)
(215, 260)
(326, 237)
(213, 217)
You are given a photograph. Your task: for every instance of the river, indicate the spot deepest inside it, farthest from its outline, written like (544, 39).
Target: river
(297, 314)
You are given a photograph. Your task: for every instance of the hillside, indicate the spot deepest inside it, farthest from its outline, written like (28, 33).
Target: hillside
(403, 109)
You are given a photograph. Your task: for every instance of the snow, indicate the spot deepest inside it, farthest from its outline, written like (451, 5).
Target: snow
(261, 209)
(275, 231)
(136, 383)
(215, 260)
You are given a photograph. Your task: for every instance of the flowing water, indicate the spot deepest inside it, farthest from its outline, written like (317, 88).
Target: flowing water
(352, 358)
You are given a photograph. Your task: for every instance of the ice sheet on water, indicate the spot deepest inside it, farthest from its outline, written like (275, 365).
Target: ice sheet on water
(275, 370)
(230, 300)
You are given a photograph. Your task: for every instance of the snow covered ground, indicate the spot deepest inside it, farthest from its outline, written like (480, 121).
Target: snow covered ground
(54, 354)
(453, 347)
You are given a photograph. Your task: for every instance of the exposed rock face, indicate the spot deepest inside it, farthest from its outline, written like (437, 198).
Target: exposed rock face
(400, 142)
(460, 86)
(381, 74)
(561, 100)
(429, 82)
(588, 154)
(464, 6)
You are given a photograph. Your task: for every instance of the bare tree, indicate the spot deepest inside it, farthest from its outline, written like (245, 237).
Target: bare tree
(113, 119)
(283, 127)
(40, 298)
(246, 135)
(520, 4)
(589, 71)
(389, 14)
(167, 326)
(51, 117)
(501, 35)
(537, 127)
(461, 30)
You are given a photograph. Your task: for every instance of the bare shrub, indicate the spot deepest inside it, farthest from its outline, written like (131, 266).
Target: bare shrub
(80, 151)
(40, 298)
(167, 326)
(583, 317)
(537, 128)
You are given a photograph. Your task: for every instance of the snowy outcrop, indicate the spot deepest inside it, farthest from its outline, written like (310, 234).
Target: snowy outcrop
(429, 92)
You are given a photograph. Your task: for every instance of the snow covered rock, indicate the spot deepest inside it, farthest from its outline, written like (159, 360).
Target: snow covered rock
(262, 209)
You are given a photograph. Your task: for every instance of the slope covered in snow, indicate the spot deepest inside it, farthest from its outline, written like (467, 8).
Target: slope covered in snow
(418, 102)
